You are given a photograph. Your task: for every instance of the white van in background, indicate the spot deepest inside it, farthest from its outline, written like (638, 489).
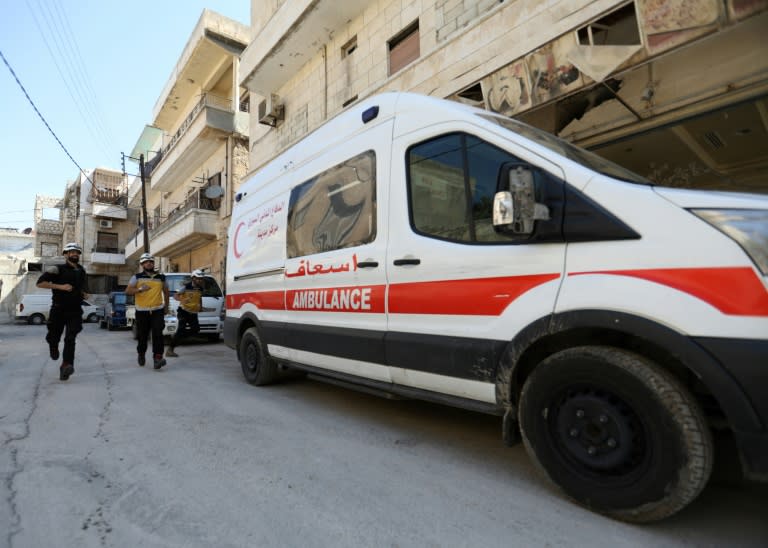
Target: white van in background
(34, 309)
(421, 247)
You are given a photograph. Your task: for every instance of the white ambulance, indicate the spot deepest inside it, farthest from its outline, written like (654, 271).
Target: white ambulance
(431, 250)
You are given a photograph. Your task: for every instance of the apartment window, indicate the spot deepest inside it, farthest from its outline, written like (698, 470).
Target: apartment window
(349, 47)
(404, 47)
(618, 28)
(106, 242)
(245, 104)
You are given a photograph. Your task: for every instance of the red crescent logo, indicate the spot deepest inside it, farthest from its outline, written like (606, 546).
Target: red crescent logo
(234, 241)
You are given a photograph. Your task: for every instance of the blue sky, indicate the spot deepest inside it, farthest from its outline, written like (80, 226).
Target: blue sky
(115, 58)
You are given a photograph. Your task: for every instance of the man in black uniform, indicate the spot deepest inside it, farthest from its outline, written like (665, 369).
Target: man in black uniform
(69, 283)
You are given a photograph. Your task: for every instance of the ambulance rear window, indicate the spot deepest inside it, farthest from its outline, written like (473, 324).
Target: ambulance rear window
(335, 209)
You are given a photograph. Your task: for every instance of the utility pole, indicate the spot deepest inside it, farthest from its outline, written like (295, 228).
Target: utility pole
(144, 203)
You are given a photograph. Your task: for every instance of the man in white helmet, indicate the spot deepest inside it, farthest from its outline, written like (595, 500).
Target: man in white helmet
(69, 283)
(190, 298)
(151, 299)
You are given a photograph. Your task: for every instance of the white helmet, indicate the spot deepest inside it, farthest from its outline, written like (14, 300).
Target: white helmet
(146, 257)
(198, 274)
(73, 246)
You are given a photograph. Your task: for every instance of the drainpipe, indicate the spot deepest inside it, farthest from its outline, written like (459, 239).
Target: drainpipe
(325, 82)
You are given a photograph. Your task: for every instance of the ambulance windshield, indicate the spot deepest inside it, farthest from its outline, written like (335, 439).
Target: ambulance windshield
(564, 148)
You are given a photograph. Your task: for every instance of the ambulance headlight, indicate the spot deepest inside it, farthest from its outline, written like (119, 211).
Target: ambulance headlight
(747, 227)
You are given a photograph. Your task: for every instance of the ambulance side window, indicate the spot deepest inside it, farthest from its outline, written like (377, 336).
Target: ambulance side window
(451, 183)
(335, 209)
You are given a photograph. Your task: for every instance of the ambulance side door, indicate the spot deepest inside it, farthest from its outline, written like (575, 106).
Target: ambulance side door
(458, 289)
(335, 271)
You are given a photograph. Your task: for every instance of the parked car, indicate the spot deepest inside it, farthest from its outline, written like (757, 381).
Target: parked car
(210, 318)
(115, 311)
(34, 309)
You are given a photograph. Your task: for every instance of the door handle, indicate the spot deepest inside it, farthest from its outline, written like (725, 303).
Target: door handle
(367, 264)
(403, 262)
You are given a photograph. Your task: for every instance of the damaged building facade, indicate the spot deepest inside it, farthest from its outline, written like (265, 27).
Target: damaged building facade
(674, 90)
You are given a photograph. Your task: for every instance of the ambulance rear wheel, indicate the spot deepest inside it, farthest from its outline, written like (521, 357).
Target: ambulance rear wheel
(258, 368)
(617, 433)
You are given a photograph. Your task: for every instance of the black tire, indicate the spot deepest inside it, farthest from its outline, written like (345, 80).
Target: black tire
(92, 318)
(258, 368)
(213, 337)
(37, 319)
(103, 324)
(616, 433)
(110, 326)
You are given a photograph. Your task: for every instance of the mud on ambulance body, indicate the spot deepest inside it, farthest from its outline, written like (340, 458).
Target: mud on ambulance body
(436, 251)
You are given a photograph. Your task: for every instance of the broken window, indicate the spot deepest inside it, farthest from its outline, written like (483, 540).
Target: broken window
(618, 28)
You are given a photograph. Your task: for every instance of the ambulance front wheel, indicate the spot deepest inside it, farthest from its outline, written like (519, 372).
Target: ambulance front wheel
(258, 368)
(617, 433)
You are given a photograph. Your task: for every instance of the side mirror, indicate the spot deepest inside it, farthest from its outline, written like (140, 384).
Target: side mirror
(503, 209)
(515, 210)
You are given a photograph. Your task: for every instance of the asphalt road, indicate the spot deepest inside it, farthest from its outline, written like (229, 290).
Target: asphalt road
(192, 455)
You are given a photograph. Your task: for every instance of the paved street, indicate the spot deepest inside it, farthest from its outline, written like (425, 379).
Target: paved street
(194, 456)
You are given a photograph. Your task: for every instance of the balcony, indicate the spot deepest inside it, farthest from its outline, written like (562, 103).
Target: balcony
(107, 255)
(187, 226)
(135, 245)
(290, 38)
(112, 210)
(199, 136)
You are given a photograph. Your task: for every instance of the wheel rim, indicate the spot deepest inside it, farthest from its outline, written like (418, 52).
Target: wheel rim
(252, 358)
(598, 432)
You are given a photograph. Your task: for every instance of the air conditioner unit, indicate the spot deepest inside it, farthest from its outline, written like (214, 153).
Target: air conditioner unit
(105, 223)
(270, 110)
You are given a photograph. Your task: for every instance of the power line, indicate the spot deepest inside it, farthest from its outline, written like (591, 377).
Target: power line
(85, 76)
(31, 102)
(77, 96)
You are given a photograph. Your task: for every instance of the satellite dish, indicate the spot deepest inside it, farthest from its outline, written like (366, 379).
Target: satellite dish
(214, 192)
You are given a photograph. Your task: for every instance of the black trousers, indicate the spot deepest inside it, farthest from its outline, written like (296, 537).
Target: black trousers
(188, 326)
(60, 319)
(150, 321)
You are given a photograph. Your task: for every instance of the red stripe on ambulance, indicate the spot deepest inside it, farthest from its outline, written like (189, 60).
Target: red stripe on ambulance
(736, 291)
(475, 297)
(264, 300)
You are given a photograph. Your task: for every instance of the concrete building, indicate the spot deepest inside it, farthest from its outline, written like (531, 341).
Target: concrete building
(98, 218)
(673, 89)
(196, 152)
(16, 250)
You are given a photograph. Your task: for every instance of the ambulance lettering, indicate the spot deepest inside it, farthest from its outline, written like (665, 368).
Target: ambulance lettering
(357, 299)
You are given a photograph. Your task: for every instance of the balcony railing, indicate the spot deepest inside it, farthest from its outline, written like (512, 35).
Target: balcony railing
(116, 196)
(196, 200)
(206, 100)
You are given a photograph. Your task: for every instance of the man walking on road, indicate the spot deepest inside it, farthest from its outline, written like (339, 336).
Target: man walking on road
(151, 291)
(190, 297)
(69, 283)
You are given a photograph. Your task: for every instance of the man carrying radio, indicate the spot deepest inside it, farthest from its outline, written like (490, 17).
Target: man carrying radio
(190, 298)
(151, 291)
(69, 283)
